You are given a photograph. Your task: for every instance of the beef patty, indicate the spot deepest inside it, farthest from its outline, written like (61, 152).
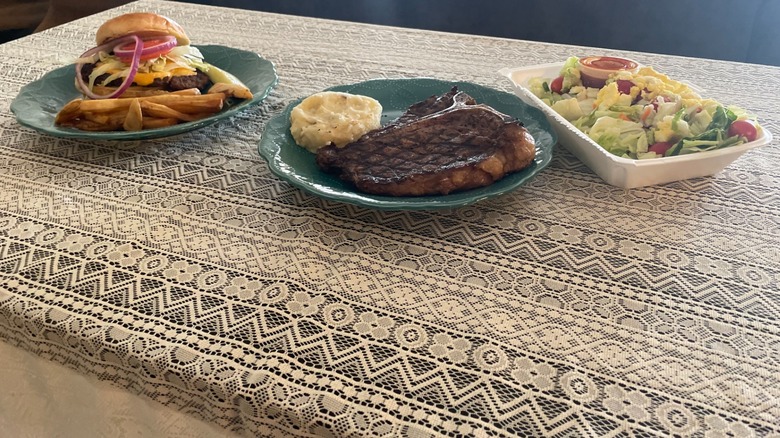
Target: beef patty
(438, 146)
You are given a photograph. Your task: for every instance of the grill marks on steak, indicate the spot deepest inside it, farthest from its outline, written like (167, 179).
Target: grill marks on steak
(441, 145)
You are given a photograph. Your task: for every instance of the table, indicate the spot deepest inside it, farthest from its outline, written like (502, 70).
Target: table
(183, 272)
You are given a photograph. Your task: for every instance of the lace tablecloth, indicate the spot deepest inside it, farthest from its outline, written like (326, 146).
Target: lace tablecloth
(183, 271)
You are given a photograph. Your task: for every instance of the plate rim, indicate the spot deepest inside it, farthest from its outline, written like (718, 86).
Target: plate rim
(178, 129)
(269, 149)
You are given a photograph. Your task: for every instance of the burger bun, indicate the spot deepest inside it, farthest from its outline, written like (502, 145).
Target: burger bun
(143, 24)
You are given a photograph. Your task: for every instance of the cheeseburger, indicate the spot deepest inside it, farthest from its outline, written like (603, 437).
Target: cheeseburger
(152, 51)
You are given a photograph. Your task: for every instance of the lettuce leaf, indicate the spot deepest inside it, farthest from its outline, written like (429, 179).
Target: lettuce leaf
(623, 138)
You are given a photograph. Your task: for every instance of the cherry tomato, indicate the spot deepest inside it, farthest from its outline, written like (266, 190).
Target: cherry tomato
(743, 128)
(660, 148)
(556, 86)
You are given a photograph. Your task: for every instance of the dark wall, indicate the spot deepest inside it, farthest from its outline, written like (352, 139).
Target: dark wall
(736, 30)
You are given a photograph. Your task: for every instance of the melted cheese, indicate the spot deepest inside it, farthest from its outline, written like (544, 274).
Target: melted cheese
(145, 79)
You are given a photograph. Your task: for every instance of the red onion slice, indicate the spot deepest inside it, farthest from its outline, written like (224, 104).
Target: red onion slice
(130, 75)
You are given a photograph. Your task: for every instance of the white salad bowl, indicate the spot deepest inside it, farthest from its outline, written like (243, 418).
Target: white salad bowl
(615, 170)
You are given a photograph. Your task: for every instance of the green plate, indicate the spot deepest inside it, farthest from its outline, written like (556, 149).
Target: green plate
(38, 102)
(297, 166)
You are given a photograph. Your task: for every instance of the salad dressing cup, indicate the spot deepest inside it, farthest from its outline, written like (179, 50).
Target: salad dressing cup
(595, 70)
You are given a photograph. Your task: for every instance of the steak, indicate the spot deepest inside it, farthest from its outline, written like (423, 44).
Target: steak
(441, 145)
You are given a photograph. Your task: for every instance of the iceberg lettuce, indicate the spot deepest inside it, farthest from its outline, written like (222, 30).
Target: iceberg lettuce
(621, 137)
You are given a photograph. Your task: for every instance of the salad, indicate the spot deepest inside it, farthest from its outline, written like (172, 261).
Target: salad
(643, 114)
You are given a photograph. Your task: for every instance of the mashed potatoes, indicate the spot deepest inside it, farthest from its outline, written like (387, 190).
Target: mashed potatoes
(333, 117)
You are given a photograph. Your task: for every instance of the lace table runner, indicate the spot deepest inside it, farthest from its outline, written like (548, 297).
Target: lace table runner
(183, 270)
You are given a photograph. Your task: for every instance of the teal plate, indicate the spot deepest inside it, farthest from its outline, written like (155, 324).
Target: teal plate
(38, 102)
(297, 166)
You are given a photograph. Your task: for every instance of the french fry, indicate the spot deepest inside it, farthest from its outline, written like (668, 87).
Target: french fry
(187, 104)
(112, 121)
(162, 111)
(89, 125)
(105, 105)
(147, 111)
(187, 92)
(204, 103)
(231, 90)
(92, 121)
(155, 122)
(69, 112)
(135, 118)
